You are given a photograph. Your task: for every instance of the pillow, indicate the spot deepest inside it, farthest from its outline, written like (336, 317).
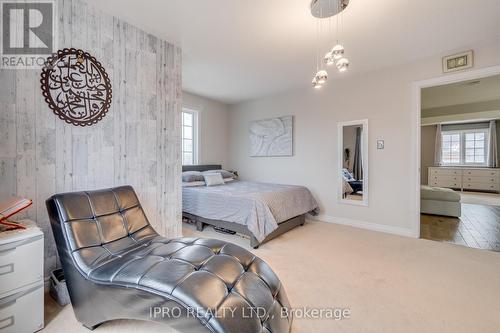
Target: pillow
(227, 180)
(212, 179)
(224, 173)
(192, 176)
(347, 175)
(193, 184)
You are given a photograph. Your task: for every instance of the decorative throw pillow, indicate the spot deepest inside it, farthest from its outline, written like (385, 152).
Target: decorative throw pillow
(224, 173)
(212, 179)
(192, 176)
(347, 175)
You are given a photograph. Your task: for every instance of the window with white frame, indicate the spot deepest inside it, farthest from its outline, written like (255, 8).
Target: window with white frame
(451, 148)
(465, 147)
(189, 137)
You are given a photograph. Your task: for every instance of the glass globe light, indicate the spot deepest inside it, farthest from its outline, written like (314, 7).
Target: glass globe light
(342, 64)
(329, 59)
(321, 76)
(337, 51)
(315, 83)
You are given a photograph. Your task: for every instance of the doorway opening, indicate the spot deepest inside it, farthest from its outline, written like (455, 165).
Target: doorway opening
(458, 158)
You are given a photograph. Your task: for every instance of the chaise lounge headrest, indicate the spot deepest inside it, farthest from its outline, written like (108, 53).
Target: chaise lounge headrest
(96, 223)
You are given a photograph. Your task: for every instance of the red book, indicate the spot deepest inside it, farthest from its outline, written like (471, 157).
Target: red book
(10, 207)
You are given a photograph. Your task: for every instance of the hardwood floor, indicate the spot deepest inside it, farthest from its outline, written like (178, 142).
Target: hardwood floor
(478, 227)
(356, 196)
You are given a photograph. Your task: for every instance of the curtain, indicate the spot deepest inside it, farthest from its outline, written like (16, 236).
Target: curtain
(437, 146)
(493, 151)
(357, 167)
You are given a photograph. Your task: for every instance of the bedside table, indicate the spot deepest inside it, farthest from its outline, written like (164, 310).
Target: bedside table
(21, 279)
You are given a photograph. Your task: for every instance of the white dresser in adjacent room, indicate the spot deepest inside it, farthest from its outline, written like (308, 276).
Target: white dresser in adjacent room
(21, 280)
(477, 179)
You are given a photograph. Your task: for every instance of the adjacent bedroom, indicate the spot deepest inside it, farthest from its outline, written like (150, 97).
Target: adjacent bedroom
(460, 193)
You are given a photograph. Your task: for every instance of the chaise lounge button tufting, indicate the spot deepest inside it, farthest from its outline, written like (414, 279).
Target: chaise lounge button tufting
(117, 267)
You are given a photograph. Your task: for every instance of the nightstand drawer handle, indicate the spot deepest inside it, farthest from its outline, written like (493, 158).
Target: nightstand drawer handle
(12, 299)
(6, 269)
(7, 322)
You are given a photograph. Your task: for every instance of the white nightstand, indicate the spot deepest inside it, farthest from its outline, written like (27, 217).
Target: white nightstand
(21, 280)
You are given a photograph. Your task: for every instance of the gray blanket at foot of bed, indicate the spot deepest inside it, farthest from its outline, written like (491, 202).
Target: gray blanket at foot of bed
(258, 206)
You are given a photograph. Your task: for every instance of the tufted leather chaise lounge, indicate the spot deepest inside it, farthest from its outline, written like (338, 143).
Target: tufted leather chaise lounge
(117, 267)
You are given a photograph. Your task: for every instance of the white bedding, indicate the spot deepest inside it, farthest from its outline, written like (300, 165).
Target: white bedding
(258, 206)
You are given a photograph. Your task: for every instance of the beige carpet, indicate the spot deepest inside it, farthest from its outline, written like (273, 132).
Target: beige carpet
(389, 283)
(480, 198)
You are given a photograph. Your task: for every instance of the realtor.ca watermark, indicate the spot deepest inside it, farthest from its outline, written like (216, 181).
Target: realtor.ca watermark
(250, 312)
(28, 33)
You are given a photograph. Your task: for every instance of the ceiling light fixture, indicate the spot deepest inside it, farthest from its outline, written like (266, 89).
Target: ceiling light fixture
(322, 76)
(315, 83)
(322, 9)
(342, 64)
(337, 52)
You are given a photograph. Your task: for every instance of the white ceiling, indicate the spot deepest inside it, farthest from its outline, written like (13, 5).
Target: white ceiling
(473, 91)
(236, 50)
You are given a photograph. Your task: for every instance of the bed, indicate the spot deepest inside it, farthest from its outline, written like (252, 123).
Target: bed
(262, 211)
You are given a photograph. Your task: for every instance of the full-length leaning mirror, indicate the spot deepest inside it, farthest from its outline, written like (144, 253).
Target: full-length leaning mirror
(353, 162)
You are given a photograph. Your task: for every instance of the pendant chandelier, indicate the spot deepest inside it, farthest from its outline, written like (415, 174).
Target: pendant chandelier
(334, 56)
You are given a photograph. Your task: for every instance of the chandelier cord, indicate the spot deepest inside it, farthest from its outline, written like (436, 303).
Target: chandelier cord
(339, 6)
(342, 23)
(317, 45)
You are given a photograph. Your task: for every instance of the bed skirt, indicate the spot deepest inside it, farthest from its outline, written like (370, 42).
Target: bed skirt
(242, 229)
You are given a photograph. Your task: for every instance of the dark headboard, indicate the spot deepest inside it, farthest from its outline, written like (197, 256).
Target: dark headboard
(201, 167)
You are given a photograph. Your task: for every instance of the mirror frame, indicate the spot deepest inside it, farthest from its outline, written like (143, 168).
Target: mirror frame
(366, 170)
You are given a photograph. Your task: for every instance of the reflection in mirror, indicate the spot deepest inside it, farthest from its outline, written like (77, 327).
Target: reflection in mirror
(353, 165)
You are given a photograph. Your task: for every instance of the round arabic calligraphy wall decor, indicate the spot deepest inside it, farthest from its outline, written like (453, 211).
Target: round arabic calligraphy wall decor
(76, 87)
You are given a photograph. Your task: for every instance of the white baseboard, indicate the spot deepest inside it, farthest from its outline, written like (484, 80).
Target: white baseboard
(408, 232)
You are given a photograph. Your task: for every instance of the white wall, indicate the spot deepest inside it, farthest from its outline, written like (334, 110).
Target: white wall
(385, 98)
(428, 142)
(213, 131)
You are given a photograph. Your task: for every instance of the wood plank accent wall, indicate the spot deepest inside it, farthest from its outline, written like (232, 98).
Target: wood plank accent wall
(137, 143)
